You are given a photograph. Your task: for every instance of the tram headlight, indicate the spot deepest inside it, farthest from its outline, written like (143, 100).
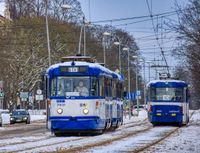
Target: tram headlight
(85, 111)
(59, 110)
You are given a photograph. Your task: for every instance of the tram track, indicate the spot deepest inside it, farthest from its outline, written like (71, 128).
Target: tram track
(43, 130)
(144, 147)
(167, 135)
(101, 143)
(51, 141)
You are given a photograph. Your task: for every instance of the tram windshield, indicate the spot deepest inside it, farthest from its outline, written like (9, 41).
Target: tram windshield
(166, 94)
(74, 86)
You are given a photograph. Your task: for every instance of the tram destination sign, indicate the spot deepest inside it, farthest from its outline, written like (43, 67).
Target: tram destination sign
(73, 69)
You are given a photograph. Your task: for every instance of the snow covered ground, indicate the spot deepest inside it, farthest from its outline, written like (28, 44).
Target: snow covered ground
(37, 117)
(186, 140)
(137, 132)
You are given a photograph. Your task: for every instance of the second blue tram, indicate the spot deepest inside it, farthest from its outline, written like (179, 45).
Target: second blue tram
(100, 108)
(167, 102)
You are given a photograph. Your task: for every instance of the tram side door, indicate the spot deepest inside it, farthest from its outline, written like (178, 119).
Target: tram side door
(185, 106)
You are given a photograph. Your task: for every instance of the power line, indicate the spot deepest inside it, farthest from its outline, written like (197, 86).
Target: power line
(156, 35)
(154, 16)
(132, 18)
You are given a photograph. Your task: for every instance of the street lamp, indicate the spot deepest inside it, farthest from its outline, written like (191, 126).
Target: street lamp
(144, 85)
(136, 83)
(119, 44)
(64, 6)
(85, 24)
(84, 35)
(129, 87)
(104, 46)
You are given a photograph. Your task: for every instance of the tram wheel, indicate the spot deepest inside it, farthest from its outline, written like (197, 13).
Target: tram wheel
(154, 124)
(57, 134)
(180, 124)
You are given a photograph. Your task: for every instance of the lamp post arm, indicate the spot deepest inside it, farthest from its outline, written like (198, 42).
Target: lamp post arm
(80, 38)
(104, 51)
(120, 67)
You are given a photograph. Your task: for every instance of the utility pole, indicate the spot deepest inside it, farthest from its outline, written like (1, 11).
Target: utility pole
(47, 31)
(129, 81)
(144, 86)
(136, 79)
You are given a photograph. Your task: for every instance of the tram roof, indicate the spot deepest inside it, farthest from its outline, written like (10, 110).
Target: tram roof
(95, 68)
(167, 83)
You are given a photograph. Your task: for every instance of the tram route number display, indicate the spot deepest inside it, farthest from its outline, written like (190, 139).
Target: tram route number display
(73, 69)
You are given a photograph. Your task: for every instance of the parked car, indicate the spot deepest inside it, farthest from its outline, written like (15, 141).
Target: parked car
(4, 117)
(20, 115)
(135, 111)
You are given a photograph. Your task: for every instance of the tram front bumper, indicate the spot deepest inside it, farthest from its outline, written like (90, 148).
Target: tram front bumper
(166, 117)
(77, 124)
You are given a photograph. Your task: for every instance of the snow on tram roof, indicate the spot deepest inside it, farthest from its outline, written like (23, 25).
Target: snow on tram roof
(165, 81)
(80, 63)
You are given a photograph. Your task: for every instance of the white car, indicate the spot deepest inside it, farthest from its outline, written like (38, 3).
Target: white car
(135, 111)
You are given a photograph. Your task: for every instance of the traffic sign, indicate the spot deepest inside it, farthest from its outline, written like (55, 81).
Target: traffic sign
(39, 91)
(39, 97)
(24, 95)
(1, 94)
(24, 99)
(138, 93)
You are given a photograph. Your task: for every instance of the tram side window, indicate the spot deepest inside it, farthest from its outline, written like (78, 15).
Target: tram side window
(109, 87)
(121, 90)
(114, 92)
(119, 94)
(53, 87)
(94, 87)
(101, 87)
(106, 87)
(152, 93)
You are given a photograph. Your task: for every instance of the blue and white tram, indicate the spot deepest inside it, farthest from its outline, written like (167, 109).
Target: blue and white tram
(167, 102)
(96, 111)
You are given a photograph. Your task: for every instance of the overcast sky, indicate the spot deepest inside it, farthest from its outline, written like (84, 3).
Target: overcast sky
(142, 31)
(2, 8)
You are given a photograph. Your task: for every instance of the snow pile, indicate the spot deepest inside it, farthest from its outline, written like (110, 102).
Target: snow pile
(5, 118)
(38, 117)
(37, 112)
(142, 116)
